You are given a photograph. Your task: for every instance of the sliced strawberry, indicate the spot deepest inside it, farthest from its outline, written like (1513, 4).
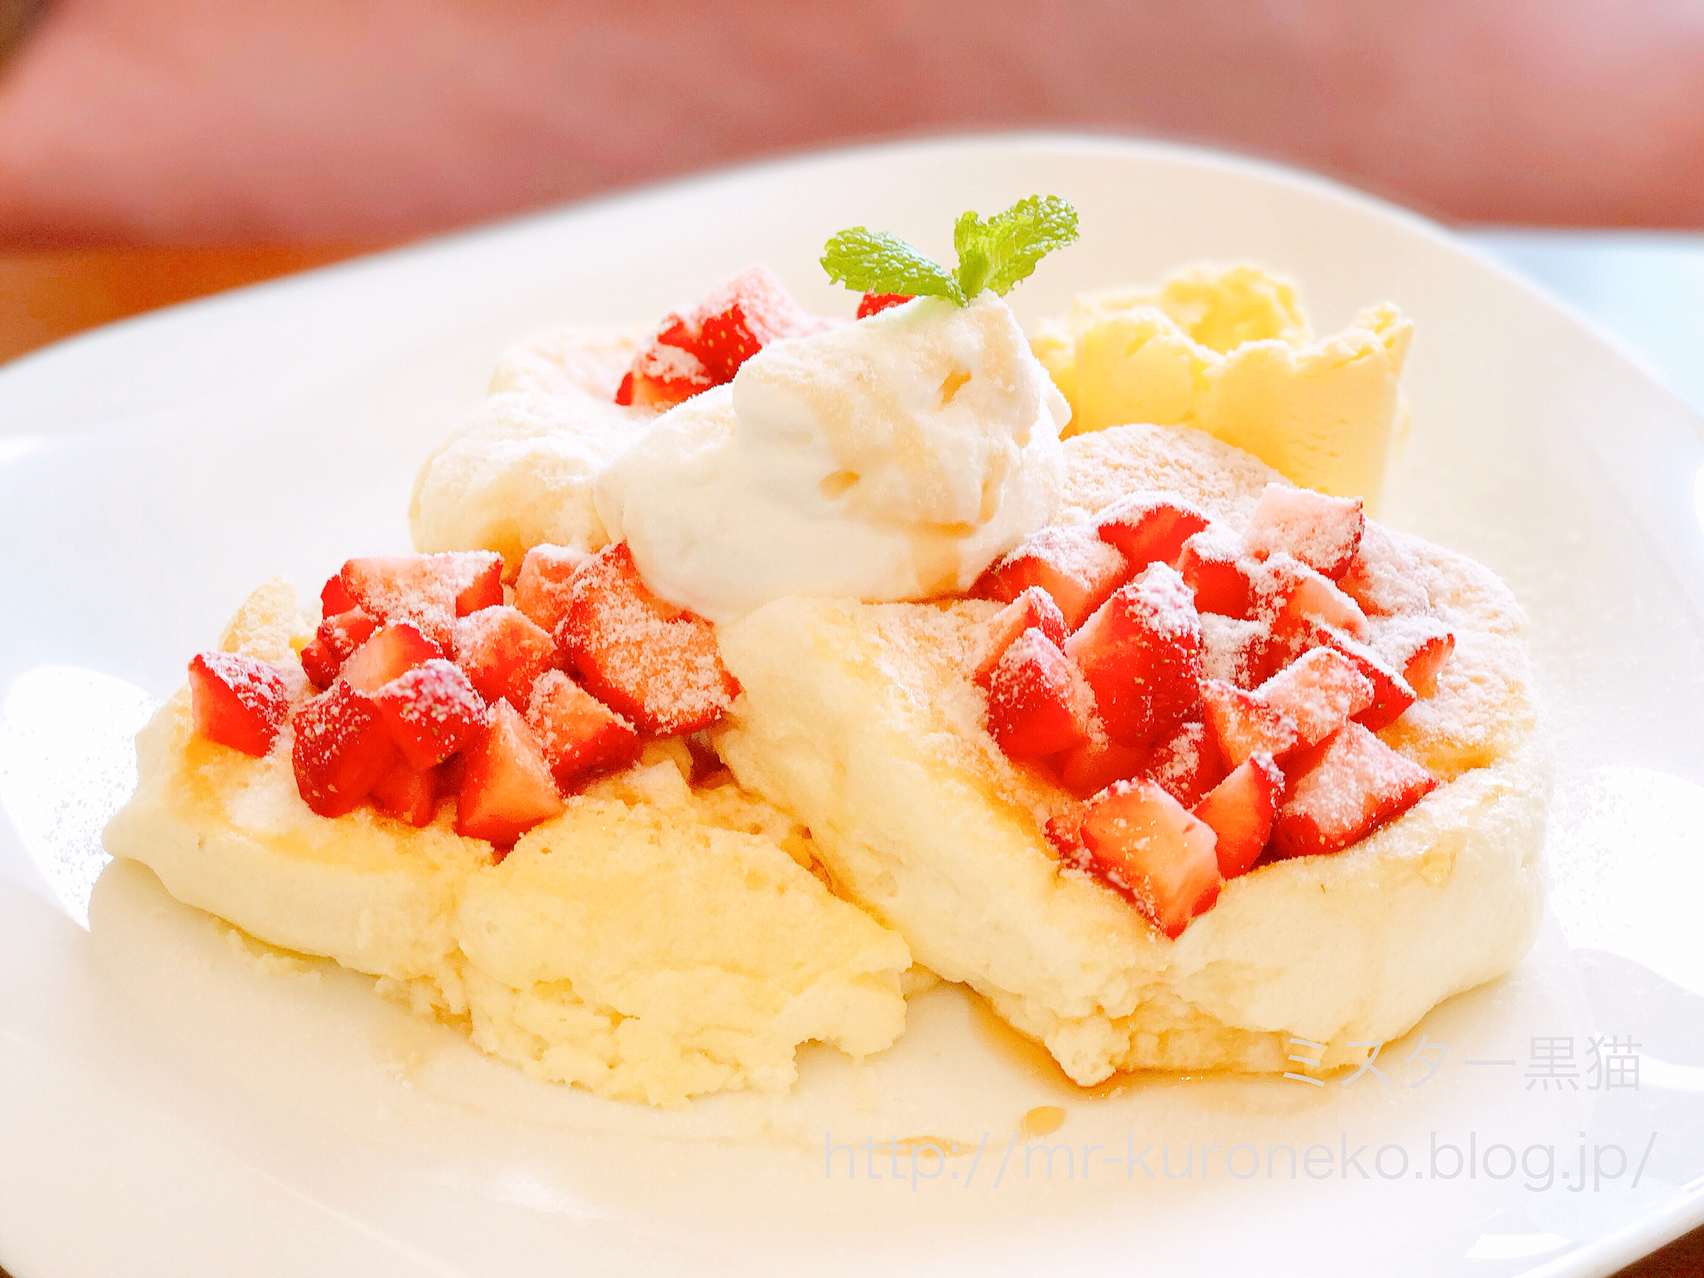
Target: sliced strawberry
(1421, 646)
(337, 637)
(503, 653)
(506, 787)
(407, 794)
(427, 591)
(1141, 655)
(1147, 845)
(1323, 532)
(1070, 563)
(430, 711)
(1149, 528)
(1243, 724)
(334, 598)
(237, 701)
(653, 663)
(1241, 809)
(1037, 703)
(1034, 607)
(1343, 790)
(391, 650)
(578, 734)
(1291, 598)
(1186, 763)
(1236, 651)
(1384, 577)
(871, 303)
(541, 590)
(1319, 692)
(341, 750)
(1064, 830)
(664, 373)
(1211, 564)
(1392, 694)
(1089, 768)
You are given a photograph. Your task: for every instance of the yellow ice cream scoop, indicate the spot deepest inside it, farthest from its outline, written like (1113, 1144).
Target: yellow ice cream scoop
(1228, 349)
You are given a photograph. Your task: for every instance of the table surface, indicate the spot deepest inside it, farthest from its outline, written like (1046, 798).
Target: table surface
(1644, 288)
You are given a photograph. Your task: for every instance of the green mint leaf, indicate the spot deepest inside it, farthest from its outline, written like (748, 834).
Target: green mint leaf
(996, 254)
(876, 262)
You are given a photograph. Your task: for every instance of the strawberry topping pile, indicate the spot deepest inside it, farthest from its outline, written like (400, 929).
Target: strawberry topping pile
(429, 686)
(1211, 699)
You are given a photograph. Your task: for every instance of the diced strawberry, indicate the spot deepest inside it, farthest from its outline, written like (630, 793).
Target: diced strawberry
(541, 590)
(1244, 725)
(337, 637)
(407, 794)
(1034, 607)
(1211, 564)
(334, 598)
(1186, 763)
(341, 750)
(1064, 830)
(871, 303)
(1384, 577)
(1319, 692)
(237, 701)
(1037, 704)
(578, 734)
(1237, 651)
(1343, 790)
(427, 591)
(653, 663)
(430, 711)
(392, 650)
(705, 346)
(1322, 531)
(506, 787)
(1291, 598)
(1089, 768)
(1070, 563)
(1141, 655)
(1392, 694)
(1421, 646)
(1149, 528)
(503, 652)
(1241, 809)
(1147, 845)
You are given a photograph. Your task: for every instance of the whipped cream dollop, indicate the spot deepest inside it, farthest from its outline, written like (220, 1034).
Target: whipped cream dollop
(890, 459)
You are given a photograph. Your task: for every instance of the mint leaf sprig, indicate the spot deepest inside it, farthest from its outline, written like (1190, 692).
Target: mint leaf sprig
(995, 254)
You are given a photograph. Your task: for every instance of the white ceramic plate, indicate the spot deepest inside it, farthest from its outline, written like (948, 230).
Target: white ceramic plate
(174, 1102)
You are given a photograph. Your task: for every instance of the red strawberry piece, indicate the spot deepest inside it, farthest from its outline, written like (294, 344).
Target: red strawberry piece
(1235, 651)
(1147, 845)
(1243, 724)
(870, 303)
(1291, 598)
(1185, 763)
(237, 701)
(407, 794)
(1319, 692)
(1385, 577)
(391, 650)
(427, 591)
(1088, 769)
(1141, 655)
(334, 598)
(1392, 694)
(1070, 563)
(1034, 607)
(506, 786)
(1343, 790)
(647, 660)
(1149, 528)
(1241, 809)
(1323, 532)
(1037, 703)
(541, 590)
(1211, 564)
(663, 374)
(430, 712)
(337, 637)
(341, 750)
(503, 652)
(1420, 646)
(578, 734)
(1064, 830)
